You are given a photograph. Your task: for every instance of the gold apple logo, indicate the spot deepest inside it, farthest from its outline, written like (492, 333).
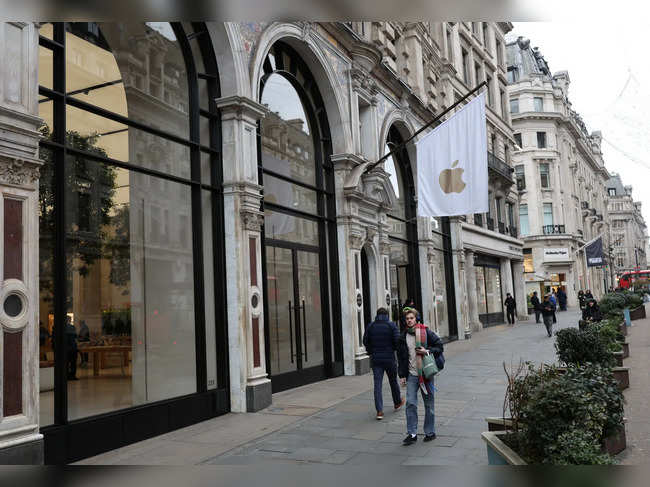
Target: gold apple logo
(451, 180)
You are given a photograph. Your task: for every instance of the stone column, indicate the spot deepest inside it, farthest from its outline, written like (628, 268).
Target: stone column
(458, 260)
(20, 440)
(472, 294)
(506, 277)
(250, 387)
(520, 289)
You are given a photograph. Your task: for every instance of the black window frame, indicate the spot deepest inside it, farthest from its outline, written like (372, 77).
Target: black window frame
(68, 441)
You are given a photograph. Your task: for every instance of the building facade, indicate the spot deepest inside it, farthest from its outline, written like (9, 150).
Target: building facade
(628, 231)
(192, 220)
(489, 258)
(561, 178)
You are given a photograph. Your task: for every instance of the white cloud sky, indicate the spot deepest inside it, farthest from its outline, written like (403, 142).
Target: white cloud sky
(599, 56)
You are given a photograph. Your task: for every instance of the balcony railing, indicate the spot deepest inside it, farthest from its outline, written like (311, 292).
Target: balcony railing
(490, 223)
(502, 227)
(478, 219)
(513, 231)
(500, 167)
(553, 229)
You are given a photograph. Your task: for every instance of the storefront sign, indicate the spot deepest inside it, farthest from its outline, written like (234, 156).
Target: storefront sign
(556, 254)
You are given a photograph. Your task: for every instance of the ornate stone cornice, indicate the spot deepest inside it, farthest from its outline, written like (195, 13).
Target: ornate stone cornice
(19, 172)
(240, 107)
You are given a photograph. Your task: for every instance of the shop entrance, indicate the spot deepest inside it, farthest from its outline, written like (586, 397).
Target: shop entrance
(295, 317)
(488, 289)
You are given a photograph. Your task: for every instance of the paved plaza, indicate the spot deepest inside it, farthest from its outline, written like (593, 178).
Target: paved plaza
(332, 422)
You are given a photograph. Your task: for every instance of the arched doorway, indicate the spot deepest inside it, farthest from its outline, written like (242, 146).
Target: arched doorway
(369, 284)
(131, 216)
(404, 258)
(299, 231)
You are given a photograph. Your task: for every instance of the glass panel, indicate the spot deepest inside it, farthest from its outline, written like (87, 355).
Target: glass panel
(293, 196)
(280, 310)
(112, 139)
(46, 30)
(398, 277)
(133, 69)
(493, 290)
(46, 286)
(395, 178)
(45, 67)
(287, 143)
(208, 281)
(548, 214)
(480, 290)
(280, 226)
(439, 290)
(309, 294)
(131, 305)
(45, 111)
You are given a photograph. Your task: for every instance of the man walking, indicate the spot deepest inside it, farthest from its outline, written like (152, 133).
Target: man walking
(553, 301)
(548, 312)
(381, 339)
(415, 342)
(561, 299)
(511, 307)
(537, 306)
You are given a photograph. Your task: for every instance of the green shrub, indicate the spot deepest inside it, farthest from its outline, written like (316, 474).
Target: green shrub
(612, 303)
(575, 346)
(565, 416)
(610, 332)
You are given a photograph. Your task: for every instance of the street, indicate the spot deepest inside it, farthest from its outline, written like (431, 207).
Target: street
(333, 422)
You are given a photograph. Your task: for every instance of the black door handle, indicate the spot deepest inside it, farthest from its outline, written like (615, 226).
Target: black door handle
(304, 328)
(291, 332)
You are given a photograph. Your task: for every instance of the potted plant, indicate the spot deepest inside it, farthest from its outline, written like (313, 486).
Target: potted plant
(557, 418)
(596, 345)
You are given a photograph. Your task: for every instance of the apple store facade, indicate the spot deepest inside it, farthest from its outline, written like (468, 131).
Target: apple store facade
(190, 224)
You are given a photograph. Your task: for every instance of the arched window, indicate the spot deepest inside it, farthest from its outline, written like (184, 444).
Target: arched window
(299, 230)
(131, 213)
(404, 259)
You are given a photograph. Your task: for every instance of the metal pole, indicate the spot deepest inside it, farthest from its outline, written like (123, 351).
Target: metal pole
(424, 127)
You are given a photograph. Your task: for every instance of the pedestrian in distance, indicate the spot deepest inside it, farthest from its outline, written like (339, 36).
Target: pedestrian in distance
(592, 312)
(588, 295)
(416, 342)
(561, 299)
(581, 299)
(511, 307)
(381, 339)
(537, 306)
(553, 300)
(548, 311)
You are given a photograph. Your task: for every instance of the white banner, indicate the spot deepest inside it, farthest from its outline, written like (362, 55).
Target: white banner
(452, 164)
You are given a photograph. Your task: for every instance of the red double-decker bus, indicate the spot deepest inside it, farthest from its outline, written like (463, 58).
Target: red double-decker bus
(627, 278)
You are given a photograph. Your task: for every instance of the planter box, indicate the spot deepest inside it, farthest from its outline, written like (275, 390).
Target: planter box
(619, 358)
(637, 313)
(498, 452)
(622, 328)
(622, 376)
(626, 349)
(616, 442)
(613, 444)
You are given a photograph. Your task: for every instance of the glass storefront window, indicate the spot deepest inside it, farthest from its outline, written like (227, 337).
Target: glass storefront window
(131, 302)
(282, 226)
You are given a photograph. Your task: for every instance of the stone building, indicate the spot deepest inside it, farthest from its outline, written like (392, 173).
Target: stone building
(489, 257)
(561, 178)
(628, 230)
(192, 220)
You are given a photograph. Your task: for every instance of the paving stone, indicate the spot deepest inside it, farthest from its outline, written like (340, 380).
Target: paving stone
(374, 459)
(310, 453)
(339, 457)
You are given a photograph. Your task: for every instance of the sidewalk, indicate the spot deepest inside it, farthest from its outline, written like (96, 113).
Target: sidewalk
(637, 409)
(332, 422)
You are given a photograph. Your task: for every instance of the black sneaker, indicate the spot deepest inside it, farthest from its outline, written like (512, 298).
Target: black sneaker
(409, 440)
(430, 437)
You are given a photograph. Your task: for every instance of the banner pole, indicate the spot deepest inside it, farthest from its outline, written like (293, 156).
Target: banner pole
(424, 127)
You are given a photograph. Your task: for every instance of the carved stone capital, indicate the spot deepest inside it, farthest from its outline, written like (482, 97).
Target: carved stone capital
(356, 238)
(252, 220)
(19, 172)
(384, 247)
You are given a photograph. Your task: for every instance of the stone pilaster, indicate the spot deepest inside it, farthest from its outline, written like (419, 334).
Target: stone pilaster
(20, 440)
(472, 295)
(520, 289)
(250, 387)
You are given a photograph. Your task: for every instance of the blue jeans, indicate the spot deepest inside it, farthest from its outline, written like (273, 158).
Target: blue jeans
(412, 388)
(378, 373)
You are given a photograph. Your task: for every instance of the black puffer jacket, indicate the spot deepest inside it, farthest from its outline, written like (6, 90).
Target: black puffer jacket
(434, 345)
(380, 340)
